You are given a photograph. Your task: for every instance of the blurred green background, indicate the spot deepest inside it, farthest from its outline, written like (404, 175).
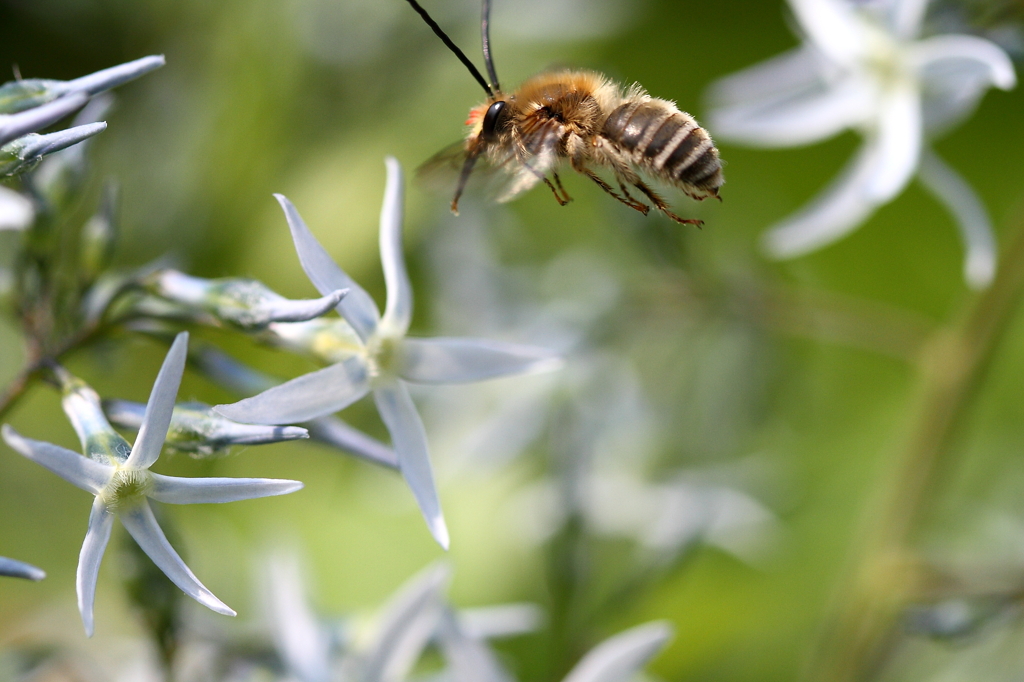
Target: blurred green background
(791, 381)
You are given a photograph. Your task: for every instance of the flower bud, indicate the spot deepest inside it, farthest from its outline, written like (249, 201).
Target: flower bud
(98, 235)
(244, 303)
(25, 152)
(198, 430)
(19, 95)
(81, 404)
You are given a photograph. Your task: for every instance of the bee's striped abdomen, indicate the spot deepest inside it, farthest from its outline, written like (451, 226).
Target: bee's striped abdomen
(668, 143)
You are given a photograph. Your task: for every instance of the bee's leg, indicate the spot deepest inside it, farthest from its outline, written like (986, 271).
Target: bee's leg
(625, 190)
(630, 201)
(562, 201)
(467, 169)
(558, 183)
(660, 204)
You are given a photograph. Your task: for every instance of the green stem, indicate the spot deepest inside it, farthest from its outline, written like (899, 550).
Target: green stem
(37, 363)
(885, 575)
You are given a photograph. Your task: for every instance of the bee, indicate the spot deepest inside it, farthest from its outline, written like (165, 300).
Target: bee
(583, 118)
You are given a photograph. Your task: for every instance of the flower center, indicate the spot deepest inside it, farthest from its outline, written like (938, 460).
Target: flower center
(126, 487)
(887, 58)
(382, 351)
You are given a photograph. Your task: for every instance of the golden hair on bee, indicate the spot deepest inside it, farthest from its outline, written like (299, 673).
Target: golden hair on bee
(584, 119)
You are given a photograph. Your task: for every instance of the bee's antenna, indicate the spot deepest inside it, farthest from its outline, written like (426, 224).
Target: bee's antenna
(485, 34)
(453, 47)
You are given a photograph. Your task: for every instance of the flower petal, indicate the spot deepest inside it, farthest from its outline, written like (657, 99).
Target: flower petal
(398, 311)
(406, 625)
(77, 470)
(410, 442)
(840, 208)
(469, 658)
(907, 16)
(101, 521)
(304, 646)
(357, 307)
(503, 620)
(306, 397)
(14, 126)
(619, 658)
(336, 433)
(176, 490)
(142, 525)
(790, 72)
(966, 49)
(461, 360)
(16, 212)
(955, 72)
(975, 227)
(160, 407)
(19, 569)
(785, 118)
(899, 137)
(834, 27)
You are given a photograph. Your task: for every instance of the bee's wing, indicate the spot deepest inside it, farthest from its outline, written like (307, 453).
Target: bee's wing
(502, 172)
(536, 153)
(491, 173)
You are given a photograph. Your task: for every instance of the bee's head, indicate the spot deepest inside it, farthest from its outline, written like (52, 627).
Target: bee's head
(488, 119)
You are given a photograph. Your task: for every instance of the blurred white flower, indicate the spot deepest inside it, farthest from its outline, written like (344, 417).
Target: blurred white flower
(371, 353)
(118, 475)
(864, 66)
(620, 657)
(19, 569)
(16, 212)
(414, 617)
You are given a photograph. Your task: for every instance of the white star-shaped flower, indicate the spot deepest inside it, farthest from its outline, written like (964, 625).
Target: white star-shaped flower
(119, 476)
(371, 353)
(864, 66)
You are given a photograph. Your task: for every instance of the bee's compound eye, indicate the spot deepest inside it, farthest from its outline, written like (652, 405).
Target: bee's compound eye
(491, 119)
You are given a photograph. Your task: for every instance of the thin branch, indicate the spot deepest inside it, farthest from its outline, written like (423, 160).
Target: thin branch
(885, 574)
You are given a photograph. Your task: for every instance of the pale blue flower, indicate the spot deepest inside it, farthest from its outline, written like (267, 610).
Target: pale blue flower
(329, 430)
(371, 353)
(417, 615)
(119, 476)
(19, 569)
(864, 66)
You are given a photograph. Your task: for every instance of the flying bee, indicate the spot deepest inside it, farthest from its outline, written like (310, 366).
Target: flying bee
(585, 119)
